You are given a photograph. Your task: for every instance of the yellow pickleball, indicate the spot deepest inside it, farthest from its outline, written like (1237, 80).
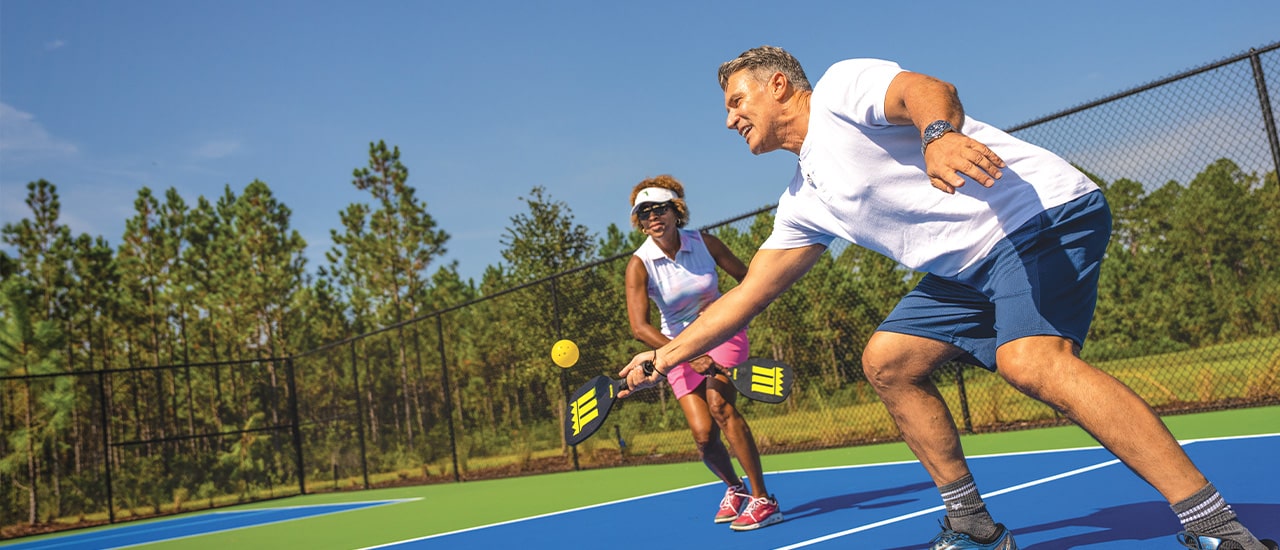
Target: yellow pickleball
(564, 353)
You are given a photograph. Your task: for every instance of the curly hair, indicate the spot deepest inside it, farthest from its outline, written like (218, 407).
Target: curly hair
(762, 62)
(664, 181)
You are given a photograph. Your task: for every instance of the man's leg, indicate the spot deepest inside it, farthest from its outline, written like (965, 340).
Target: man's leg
(1049, 369)
(898, 366)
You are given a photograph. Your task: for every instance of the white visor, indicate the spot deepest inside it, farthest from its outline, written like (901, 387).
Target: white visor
(652, 194)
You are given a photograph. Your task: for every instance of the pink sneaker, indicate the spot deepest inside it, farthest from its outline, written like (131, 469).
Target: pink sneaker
(731, 504)
(760, 512)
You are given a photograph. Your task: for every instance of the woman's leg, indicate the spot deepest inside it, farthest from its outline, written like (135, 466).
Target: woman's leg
(721, 396)
(706, 435)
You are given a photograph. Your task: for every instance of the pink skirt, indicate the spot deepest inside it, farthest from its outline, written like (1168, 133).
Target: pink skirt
(684, 379)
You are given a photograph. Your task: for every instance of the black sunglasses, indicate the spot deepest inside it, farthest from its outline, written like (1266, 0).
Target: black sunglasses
(654, 209)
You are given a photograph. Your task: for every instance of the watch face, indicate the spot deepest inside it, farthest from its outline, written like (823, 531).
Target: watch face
(934, 131)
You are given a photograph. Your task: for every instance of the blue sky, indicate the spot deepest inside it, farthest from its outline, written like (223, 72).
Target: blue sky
(488, 99)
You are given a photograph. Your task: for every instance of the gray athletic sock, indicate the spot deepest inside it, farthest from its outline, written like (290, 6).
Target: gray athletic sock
(966, 512)
(1206, 513)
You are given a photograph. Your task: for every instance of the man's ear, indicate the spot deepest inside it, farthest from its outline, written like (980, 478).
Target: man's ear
(779, 86)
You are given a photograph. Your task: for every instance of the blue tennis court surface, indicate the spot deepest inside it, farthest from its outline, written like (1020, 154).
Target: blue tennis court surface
(1082, 498)
(189, 526)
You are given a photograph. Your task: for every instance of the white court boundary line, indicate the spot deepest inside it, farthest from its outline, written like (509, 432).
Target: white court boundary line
(1018, 487)
(939, 508)
(546, 515)
(372, 504)
(1182, 442)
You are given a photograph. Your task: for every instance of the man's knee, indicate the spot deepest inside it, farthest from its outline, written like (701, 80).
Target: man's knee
(891, 359)
(879, 367)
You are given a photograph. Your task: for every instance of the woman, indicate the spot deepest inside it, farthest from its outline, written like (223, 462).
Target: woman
(676, 268)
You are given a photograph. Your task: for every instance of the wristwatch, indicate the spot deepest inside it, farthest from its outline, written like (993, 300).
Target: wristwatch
(933, 131)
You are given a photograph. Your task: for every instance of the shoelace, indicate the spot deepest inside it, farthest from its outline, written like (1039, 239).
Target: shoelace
(726, 502)
(750, 511)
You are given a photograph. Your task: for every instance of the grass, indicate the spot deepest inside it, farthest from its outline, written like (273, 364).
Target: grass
(1217, 373)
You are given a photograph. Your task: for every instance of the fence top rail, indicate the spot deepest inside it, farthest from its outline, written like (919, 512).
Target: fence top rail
(516, 288)
(1156, 84)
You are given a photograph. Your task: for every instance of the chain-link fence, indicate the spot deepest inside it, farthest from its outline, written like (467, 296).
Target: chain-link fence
(470, 392)
(149, 441)
(1172, 129)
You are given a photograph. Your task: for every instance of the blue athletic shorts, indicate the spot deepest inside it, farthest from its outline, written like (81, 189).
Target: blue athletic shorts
(1042, 279)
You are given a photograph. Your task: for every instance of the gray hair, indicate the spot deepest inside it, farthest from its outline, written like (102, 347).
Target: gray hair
(761, 63)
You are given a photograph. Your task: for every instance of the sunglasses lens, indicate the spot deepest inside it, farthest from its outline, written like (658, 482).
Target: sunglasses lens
(655, 210)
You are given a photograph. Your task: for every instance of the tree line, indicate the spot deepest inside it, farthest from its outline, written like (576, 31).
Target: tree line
(221, 287)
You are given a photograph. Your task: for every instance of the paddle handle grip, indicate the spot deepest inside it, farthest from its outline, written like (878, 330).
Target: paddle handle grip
(648, 371)
(648, 368)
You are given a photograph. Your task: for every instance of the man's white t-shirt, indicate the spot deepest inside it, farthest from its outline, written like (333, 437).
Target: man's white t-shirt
(862, 179)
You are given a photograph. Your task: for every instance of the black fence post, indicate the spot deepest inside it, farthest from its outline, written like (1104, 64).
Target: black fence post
(355, 378)
(106, 444)
(564, 378)
(297, 425)
(448, 395)
(1268, 119)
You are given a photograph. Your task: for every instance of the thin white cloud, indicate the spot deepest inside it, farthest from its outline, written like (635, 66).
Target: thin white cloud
(54, 45)
(216, 149)
(24, 138)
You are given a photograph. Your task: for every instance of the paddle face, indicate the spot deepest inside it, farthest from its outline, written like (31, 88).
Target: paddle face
(758, 378)
(588, 407)
(762, 379)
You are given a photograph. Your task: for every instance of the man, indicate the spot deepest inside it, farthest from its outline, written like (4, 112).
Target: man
(888, 161)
